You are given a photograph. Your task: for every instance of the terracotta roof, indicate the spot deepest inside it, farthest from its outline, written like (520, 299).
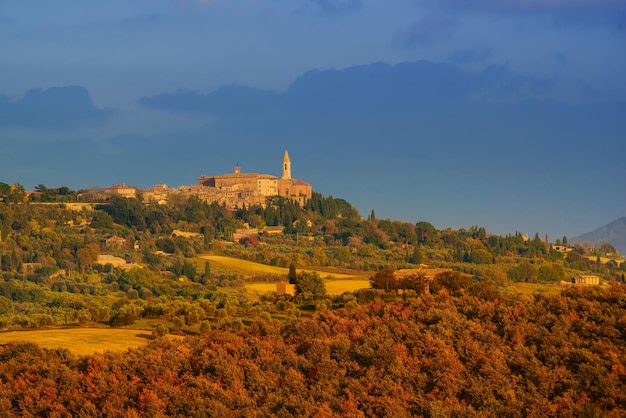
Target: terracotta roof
(120, 186)
(298, 182)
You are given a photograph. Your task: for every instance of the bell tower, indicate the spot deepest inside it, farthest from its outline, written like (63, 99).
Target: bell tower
(286, 166)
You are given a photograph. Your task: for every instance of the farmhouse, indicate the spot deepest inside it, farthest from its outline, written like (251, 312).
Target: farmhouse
(562, 248)
(586, 279)
(115, 243)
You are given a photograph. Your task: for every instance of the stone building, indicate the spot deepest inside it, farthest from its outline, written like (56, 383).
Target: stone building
(586, 279)
(122, 190)
(291, 188)
(238, 189)
(157, 194)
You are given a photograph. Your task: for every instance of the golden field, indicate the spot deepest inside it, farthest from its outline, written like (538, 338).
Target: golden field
(333, 287)
(250, 268)
(82, 341)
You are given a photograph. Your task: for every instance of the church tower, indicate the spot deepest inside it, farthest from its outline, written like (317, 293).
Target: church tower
(286, 166)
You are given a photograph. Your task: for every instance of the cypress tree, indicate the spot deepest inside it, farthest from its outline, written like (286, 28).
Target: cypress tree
(293, 275)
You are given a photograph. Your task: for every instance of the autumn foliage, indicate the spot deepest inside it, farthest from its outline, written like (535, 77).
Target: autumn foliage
(471, 352)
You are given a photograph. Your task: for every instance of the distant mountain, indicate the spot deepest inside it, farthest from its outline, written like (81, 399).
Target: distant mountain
(614, 233)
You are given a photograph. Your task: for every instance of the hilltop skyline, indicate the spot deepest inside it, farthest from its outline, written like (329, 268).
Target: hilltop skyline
(508, 116)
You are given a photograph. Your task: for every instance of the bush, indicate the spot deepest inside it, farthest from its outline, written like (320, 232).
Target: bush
(160, 330)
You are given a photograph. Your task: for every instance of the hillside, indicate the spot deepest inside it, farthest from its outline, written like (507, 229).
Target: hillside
(614, 233)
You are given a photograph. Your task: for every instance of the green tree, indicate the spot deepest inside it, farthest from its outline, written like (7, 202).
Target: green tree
(553, 272)
(417, 257)
(523, 272)
(6, 305)
(101, 220)
(607, 249)
(310, 283)
(189, 270)
(481, 256)
(160, 330)
(292, 275)
(426, 232)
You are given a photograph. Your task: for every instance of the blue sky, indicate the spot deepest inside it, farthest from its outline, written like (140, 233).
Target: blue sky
(507, 114)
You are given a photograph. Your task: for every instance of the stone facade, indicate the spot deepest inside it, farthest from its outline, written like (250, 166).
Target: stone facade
(238, 189)
(586, 279)
(122, 190)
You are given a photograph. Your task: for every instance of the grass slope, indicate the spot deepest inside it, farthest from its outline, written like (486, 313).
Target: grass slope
(336, 283)
(250, 268)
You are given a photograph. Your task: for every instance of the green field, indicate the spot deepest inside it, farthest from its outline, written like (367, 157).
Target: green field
(82, 341)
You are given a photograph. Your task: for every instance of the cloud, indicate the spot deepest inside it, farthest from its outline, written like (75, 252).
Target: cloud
(378, 88)
(427, 31)
(187, 3)
(337, 7)
(468, 57)
(498, 83)
(562, 10)
(537, 5)
(233, 98)
(56, 107)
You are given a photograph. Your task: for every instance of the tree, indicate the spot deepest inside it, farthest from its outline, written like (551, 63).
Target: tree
(5, 189)
(16, 193)
(426, 232)
(607, 249)
(160, 330)
(189, 270)
(419, 282)
(481, 256)
(293, 275)
(126, 315)
(451, 280)
(310, 283)
(523, 272)
(417, 256)
(101, 220)
(88, 255)
(6, 305)
(384, 279)
(550, 272)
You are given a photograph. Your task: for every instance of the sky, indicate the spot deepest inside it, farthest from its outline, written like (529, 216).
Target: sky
(507, 114)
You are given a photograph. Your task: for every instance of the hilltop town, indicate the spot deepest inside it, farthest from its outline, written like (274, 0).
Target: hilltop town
(234, 190)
